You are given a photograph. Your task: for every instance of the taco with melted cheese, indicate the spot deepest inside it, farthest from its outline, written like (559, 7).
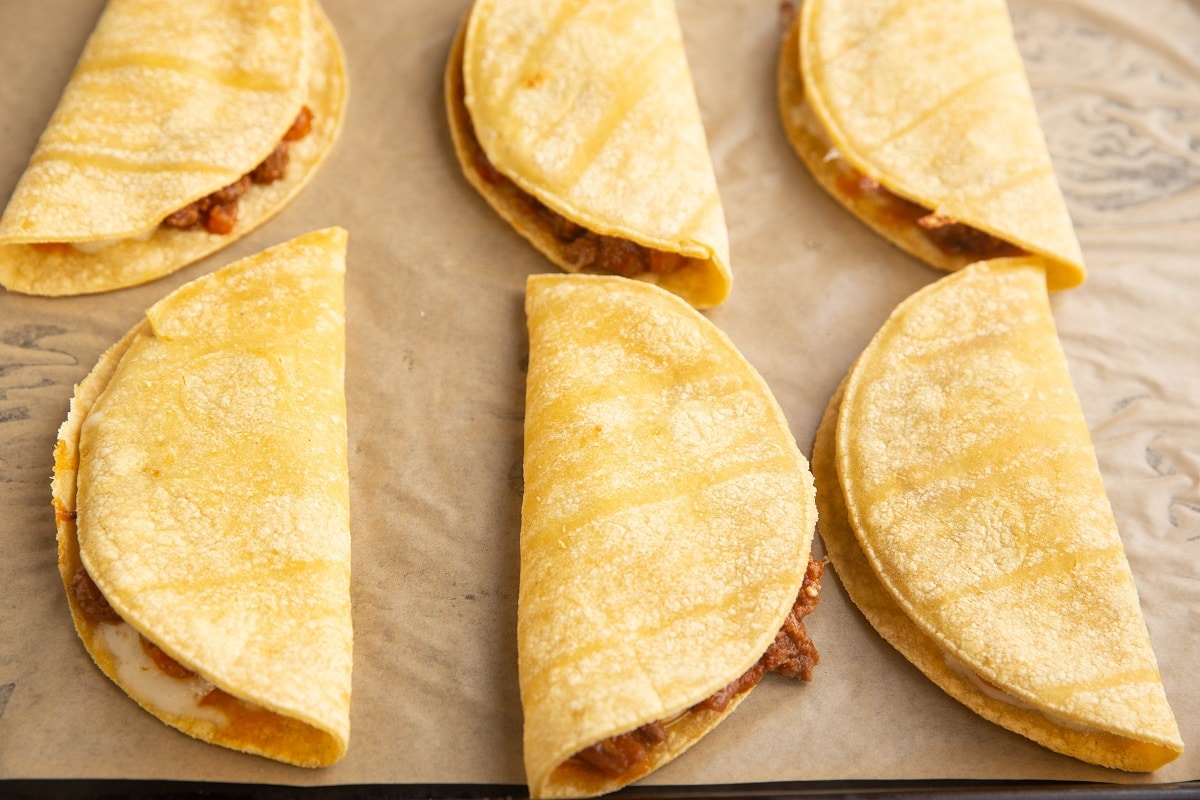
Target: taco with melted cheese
(919, 119)
(665, 532)
(208, 575)
(183, 127)
(579, 125)
(962, 507)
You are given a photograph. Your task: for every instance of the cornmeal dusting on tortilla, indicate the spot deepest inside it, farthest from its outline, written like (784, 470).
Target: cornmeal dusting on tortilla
(666, 520)
(590, 108)
(167, 105)
(177, 489)
(931, 100)
(962, 505)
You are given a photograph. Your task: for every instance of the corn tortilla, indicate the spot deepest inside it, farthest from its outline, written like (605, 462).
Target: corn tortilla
(931, 101)
(962, 507)
(590, 109)
(665, 526)
(177, 488)
(167, 104)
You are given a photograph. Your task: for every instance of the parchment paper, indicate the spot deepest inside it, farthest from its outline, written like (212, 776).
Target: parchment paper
(435, 387)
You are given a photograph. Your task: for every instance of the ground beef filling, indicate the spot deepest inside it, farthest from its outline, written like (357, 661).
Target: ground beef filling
(93, 605)
(218, 212)
(889, 209)
(951, 237)
(792, 655)
(243, 720)
(585, 250)
(90, 600)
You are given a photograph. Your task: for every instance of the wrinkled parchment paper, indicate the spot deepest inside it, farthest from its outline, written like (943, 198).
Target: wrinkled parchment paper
(435, 388)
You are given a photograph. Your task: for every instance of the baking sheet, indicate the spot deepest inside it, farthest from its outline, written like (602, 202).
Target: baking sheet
(435, 387)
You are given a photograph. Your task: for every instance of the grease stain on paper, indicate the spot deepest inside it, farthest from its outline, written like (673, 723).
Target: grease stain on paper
(6, 692)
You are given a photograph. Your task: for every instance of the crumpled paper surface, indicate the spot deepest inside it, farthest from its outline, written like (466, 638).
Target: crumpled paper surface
(435, 388)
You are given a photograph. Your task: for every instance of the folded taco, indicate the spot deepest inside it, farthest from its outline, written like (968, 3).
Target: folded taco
(919, 119)
(665, 533)
(962, 507)
(183, 127)
(579, 125)
(201, 496)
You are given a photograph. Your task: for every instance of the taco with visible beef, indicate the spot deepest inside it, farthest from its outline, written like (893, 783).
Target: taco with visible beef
(201, 495)
(579, 125)
(183, 127)
(665, 532)
(919, 119)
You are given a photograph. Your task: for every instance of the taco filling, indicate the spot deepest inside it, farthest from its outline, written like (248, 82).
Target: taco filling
(921, 122)
(891, 210)
(991, 690)
(174, 137)
(218, 211)
(583, 249)
(174, 687)
(666, 524)
(887, 209)
(211, 588)
(792, 655)
(579, 125)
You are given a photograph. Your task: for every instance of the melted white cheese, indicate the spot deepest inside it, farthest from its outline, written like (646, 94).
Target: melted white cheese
(1004, 697)
(148, 684)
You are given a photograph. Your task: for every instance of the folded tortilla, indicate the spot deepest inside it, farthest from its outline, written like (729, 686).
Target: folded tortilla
(201, 486)
(962, 506)
(168, 104)
(579, 125)
(665, 526)
(919, 118)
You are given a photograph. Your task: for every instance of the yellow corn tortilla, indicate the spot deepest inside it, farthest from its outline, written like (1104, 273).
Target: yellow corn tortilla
(963, 509)
(590, 109)
(169, 103)
(665, 526)
(201, 479)
(931, 101)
